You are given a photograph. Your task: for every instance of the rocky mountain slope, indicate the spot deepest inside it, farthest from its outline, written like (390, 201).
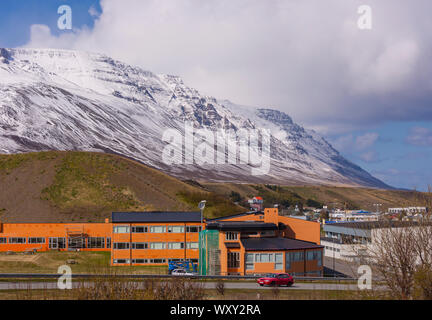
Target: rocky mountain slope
(69, 100)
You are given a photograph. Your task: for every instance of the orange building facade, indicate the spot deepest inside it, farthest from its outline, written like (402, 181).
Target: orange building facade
(250, 243)
(264, 242)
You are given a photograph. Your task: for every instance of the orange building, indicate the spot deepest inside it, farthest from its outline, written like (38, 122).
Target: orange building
(20, 237)
(257, 243)
(155, 237)
(249, 243)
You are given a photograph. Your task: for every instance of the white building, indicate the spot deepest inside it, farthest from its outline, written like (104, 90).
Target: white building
(351, 240)
(353, 215)
(408, 210)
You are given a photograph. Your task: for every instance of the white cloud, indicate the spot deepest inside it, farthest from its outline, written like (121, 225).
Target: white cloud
(305, 57)
(350, 144)
(94, 12)
(365, 141)
(369, 156)
(420, 136)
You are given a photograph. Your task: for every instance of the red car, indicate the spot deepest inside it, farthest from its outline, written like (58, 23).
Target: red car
(278, 279)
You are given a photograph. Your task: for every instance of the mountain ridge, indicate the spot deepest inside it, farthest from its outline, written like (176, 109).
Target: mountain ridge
(69, 100)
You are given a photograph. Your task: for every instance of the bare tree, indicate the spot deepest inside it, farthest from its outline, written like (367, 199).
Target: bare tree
(394, 258)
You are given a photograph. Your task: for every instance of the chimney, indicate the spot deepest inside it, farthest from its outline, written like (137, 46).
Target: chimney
(271, 215)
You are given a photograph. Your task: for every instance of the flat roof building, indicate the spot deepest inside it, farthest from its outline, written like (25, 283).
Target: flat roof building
(248, 243)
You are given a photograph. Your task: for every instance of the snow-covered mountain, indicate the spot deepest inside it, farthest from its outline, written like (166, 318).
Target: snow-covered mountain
(70, 100)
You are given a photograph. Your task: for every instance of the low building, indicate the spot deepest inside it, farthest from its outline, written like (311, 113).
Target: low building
(261, 242)
(353, 215)
(352, 241)
(249, 243)
(408, 210)
(142, 238)
(256, 203)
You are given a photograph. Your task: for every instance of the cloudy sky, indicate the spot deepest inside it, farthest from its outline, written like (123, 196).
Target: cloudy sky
(369, 92)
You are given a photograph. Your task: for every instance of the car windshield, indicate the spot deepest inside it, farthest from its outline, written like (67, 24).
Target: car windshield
(270, 275)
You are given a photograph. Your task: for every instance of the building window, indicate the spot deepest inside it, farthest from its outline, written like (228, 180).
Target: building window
(278, 261)
(121, 245)
(139, 261)
(3, 240)
(121, 229)
(157, 229)
(57, 243)
(121, 261)
(266, 257)
(250, 261)
(176, 245)
(36, 240)
(158, 261)
(193, 229)
(96, 243)
(233, 259)
(231, 236)
(76, 243)
(139, 245)
(293, 257)
(315, 255)
(108, 242)
(157, 245)
(176, 229)
(139, 229)
(17, 240)
(192, 245)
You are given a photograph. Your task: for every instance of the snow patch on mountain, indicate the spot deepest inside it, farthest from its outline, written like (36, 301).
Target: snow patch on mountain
(70, 100)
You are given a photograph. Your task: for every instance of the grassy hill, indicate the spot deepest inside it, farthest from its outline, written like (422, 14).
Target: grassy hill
(84, 186)
(316, 196)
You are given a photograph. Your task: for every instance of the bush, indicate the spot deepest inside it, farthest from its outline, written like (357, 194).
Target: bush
(220, 287)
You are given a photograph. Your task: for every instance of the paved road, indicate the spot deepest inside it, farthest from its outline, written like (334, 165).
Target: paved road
(30, 285)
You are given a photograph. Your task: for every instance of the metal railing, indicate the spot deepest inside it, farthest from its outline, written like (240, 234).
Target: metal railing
(153, 276)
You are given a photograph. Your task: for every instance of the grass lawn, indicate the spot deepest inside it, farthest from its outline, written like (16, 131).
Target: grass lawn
(86, 262)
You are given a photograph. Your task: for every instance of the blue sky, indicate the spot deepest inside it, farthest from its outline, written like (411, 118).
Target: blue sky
(368, 93)
(16, 17)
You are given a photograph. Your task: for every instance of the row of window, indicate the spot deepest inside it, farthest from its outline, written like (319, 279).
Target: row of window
(276, 258)
(299, 256)
(21, 240)
(332, 249)
(232, 236)
(155, 245)
(139, 261)
(156, 229)
(60, 243)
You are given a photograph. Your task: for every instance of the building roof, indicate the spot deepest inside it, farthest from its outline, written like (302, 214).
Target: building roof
(268, 244)
(261, 213)
(241, 226)
(368, 225)
(156, 216)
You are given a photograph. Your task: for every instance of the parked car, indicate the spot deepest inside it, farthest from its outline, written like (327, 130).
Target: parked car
(182, 272)
(278, 279)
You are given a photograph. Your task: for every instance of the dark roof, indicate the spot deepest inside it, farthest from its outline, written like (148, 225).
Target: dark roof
(264, 244)
(368, 225)
(232, 245)
(261, 213)
(156, 216)
(241, 226)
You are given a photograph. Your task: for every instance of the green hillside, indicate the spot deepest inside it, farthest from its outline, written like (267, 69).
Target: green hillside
(84, 186)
